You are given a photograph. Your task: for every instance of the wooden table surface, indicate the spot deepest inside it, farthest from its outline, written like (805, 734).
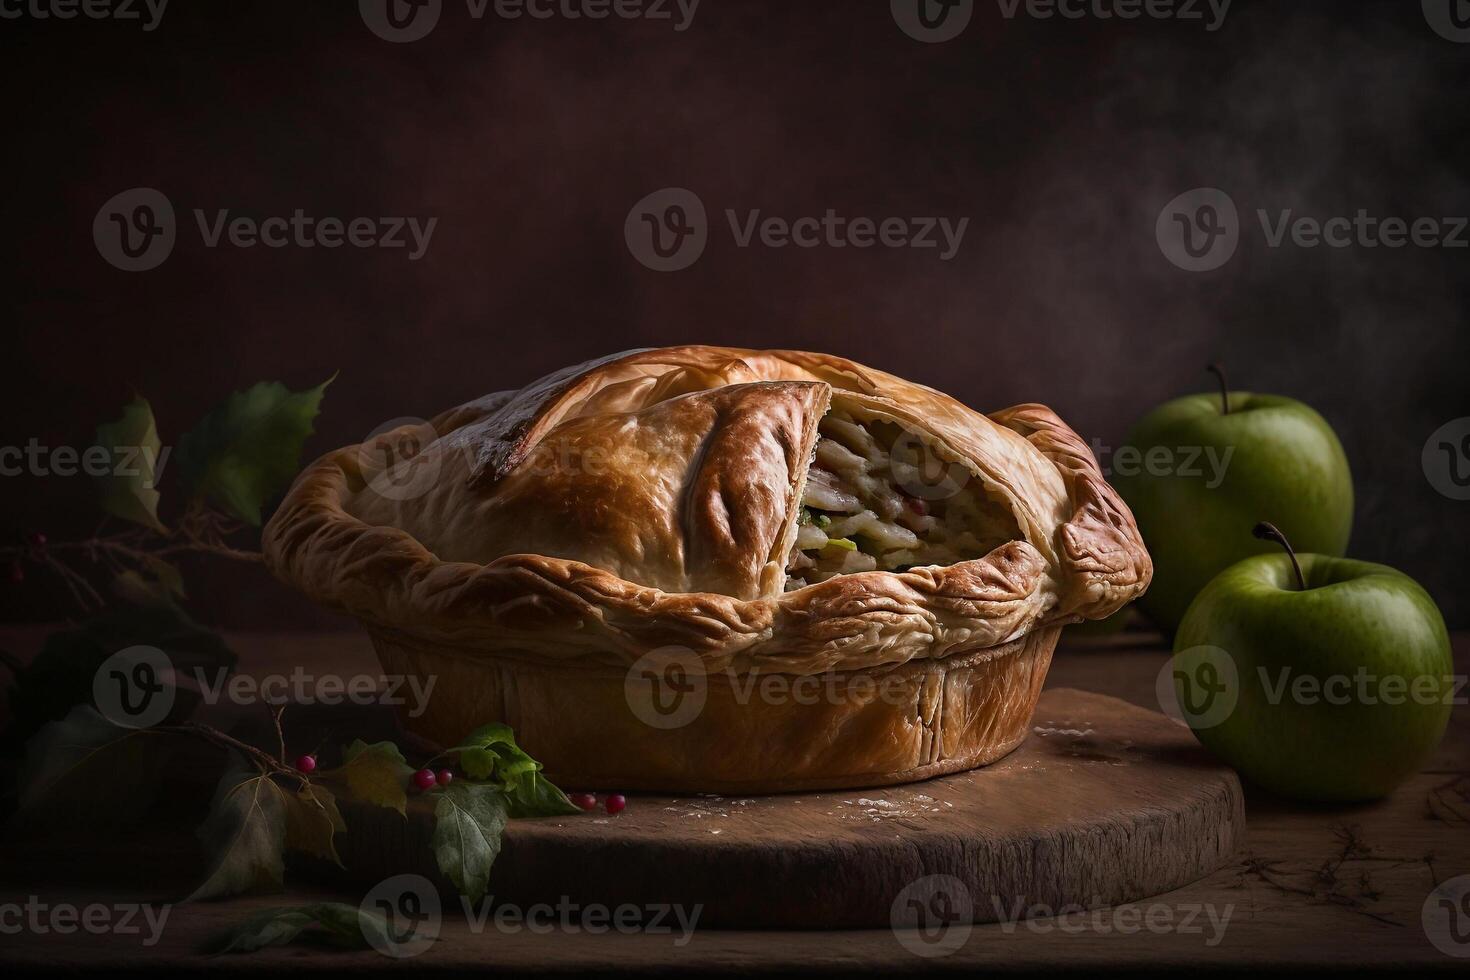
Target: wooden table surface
(1338, 885)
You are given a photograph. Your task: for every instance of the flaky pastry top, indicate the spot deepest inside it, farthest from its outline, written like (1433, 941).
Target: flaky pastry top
(648, 501)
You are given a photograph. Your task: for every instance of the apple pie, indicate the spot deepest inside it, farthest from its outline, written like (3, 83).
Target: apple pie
(713, 569)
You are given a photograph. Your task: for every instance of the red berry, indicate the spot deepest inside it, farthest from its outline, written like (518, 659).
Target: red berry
(583, 801)
(36, 540)
(444, 777)
(918, 506)
(17, 573)
(307, 763)
(424, 779)
(616, 803)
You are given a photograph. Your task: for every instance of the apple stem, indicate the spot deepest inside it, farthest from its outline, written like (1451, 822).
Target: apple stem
(1270, 532)
(1218, 371)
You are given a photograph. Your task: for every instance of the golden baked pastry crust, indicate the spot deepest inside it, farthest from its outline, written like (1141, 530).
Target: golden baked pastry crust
(649, 500)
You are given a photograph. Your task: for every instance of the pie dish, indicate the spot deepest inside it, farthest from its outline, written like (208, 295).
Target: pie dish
(721, 570)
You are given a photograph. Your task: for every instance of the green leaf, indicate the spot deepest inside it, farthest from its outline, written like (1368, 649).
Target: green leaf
(313, 821)
(487, 747)
(129, 489)
(248, 449)
(376, 774)
(491, 753)
(346, 925)
(535, 796)
(272, 927)
(246, 833)
(468, 822)
(84, 762)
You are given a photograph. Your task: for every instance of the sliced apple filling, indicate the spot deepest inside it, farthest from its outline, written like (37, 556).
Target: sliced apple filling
(876, 498)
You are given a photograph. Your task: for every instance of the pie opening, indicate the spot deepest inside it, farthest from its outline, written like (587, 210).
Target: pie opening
(879, 497)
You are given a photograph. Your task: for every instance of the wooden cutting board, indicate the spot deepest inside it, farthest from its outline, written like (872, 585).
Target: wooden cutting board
(1105, 803)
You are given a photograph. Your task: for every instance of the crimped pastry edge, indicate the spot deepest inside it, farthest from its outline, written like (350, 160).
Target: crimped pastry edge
(566, 610)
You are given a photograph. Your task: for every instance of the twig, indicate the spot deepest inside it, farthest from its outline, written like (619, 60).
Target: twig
(280, 734)
(263, 760)
(218, 550)
(81, 589)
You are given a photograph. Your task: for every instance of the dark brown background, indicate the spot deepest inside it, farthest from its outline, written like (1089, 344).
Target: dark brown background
(530, 141)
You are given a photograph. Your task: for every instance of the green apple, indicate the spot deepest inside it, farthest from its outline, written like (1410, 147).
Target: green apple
(1332, 682)
(1200, 471)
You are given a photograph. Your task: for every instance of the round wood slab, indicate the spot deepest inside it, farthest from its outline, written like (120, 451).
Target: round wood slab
(1104, 803)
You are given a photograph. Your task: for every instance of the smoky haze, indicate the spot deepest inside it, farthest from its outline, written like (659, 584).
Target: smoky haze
(1059, 140)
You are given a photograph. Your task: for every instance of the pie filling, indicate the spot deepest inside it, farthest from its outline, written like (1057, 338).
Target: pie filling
(878, 498)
